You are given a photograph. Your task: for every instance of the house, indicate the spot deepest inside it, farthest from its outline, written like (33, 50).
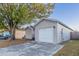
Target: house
(75, 35)
(50, 31)
(29, 33)
(29, 30)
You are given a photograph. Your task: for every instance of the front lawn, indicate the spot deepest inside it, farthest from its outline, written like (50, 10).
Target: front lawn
(71, 48)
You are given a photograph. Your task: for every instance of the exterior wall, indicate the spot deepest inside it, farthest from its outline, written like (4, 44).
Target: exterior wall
(19, 34)
(46, 24)
(63, 33)
(29, 34)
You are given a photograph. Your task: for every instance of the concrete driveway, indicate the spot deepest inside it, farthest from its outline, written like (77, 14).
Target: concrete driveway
(31, 49)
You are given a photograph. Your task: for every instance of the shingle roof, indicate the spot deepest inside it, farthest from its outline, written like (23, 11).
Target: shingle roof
(48, 19)
(54, 20)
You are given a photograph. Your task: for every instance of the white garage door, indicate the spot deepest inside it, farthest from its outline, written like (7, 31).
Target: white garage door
(46, 35)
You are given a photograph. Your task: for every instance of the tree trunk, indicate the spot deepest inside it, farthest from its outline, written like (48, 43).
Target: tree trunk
(13, 34)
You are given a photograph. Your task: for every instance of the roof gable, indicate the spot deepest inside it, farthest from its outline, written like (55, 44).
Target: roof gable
(44, 20)
(53, 20)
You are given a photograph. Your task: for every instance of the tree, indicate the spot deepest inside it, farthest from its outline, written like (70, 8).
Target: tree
(13, 14)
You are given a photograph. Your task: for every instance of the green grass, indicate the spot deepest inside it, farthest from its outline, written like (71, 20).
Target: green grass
(71, 48)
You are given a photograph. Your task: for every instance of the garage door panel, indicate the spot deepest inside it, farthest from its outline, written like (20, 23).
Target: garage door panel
(46, 35)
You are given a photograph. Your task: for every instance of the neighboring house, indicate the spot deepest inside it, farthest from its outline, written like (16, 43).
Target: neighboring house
(29, 30)
(29, 33)
(49, 30)
(75, 35)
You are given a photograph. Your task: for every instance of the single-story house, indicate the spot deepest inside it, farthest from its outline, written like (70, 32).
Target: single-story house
(29, 33)
(48, 30)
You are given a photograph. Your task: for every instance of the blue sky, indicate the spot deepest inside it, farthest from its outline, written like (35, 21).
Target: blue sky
(67, 13)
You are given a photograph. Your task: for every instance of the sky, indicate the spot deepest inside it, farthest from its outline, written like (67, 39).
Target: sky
(68, 14)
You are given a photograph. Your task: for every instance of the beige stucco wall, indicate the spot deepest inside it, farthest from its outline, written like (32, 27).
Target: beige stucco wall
(19, 34)
(45, 24)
